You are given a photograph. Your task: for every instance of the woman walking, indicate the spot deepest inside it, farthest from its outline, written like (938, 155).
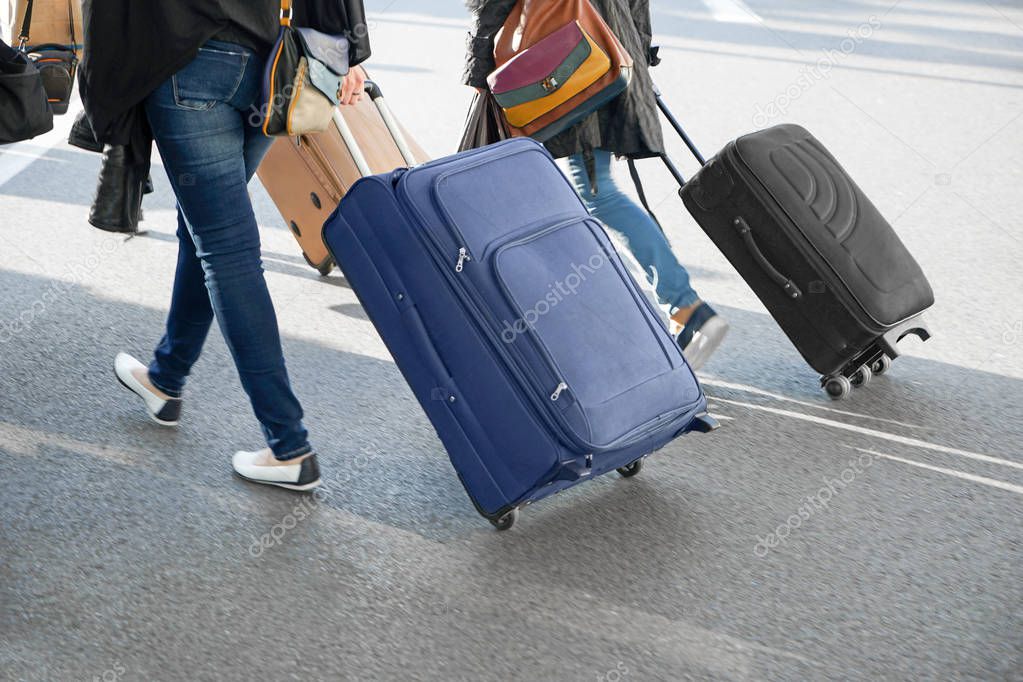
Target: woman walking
(188, 74)
(628, 127)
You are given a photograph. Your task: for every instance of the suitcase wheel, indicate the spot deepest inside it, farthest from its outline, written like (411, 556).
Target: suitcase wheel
(506, 521)
(630, 470)
(862, 377)
(837, 387)
(881, 365)
(326, 267)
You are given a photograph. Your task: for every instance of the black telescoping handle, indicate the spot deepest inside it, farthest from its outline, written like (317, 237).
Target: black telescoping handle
(790, 288)
(662, 105)
(373, 90)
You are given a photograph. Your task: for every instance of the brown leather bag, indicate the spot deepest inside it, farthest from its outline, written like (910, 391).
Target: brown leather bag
(531, 21)
(307, 176)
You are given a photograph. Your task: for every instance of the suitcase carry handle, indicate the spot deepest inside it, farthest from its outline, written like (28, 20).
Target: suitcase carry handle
(787, 285)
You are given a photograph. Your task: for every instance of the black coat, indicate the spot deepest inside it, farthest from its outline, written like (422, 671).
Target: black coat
(132, 46)
(630, 126)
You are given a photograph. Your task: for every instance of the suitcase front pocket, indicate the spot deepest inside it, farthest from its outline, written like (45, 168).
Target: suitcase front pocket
(610, 366)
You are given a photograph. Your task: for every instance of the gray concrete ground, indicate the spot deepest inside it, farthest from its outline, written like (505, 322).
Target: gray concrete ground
(876, 539)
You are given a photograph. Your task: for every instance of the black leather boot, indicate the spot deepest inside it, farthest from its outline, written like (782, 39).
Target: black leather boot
(81, 135)
(118, 203)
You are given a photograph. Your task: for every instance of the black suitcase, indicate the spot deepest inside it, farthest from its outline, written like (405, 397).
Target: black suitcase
(815, 250)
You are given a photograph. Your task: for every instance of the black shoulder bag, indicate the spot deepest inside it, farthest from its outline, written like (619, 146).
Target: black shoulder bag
(56, 63)
(25, 112)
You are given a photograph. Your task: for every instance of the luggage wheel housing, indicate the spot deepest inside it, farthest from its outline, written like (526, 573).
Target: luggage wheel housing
(875, 361)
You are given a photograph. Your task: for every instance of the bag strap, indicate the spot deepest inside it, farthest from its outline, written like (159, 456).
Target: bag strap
(26, 24)
(641, 191)
(286, 12)
(71, 25)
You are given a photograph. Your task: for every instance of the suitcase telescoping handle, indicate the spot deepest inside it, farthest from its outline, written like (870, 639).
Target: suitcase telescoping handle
(740, 224)
(669, 164)
(375, 94)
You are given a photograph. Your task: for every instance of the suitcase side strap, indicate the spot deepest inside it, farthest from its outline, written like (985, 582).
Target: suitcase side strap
(787, 285)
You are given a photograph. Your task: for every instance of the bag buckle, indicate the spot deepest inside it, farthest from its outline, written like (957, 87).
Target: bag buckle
(550, 83)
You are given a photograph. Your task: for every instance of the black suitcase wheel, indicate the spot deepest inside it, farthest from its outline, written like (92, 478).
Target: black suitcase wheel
(838, 387)
(862, 377)
(881, 365)
(326, 267)
(506, 521)
(630, 470)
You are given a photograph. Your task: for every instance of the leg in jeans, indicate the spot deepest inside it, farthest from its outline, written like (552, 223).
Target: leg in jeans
(210, 150)
(636, 228)
(191, 312)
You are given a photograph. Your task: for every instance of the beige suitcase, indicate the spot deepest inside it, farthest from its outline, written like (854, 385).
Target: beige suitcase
(306, 176)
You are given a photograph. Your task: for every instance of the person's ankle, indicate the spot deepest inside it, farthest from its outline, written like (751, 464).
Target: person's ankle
(682, 315)
(142, 375)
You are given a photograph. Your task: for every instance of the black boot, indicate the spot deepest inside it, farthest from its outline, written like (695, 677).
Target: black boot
(81, 135)
(118, 203)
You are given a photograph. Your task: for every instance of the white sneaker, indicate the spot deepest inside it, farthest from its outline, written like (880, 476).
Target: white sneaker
(302, 473)
(163, 410)
(702, 335)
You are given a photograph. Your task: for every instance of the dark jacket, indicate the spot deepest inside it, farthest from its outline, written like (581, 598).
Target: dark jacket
(132, 46)
(630, 126)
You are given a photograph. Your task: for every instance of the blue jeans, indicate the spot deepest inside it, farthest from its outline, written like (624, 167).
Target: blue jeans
(202, 119)
(637, 229)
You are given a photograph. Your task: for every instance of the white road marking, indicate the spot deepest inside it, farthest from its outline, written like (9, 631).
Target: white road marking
(732, 12)
(902, 440)
(708, 381)
(1002, 485)
(19, 156)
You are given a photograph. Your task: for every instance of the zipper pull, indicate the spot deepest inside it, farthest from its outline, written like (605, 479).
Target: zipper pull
(463, 256)
(562, 387)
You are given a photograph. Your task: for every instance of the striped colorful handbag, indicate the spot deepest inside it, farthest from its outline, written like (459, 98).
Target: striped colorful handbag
(558, 62)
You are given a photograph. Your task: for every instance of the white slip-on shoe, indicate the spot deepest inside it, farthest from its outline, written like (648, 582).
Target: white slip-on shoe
(263, 467)
(163, 411)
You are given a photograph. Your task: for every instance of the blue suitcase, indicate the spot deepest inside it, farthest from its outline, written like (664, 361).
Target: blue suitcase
(536, 356)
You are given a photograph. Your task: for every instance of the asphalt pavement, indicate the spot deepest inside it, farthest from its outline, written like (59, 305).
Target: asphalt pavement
(879, 538)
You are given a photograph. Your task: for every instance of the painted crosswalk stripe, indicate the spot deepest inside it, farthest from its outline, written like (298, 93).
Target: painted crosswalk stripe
(983, 480)
(732, 11)
(874, 433)
(732, 386)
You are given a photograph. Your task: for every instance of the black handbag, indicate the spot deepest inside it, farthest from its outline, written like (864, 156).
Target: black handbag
(56, 63)
(485, 123)
(25, 112)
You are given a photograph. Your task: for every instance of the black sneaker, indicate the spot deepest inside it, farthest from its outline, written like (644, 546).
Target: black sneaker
(302, 473)
(164, 412)
(702, 335)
